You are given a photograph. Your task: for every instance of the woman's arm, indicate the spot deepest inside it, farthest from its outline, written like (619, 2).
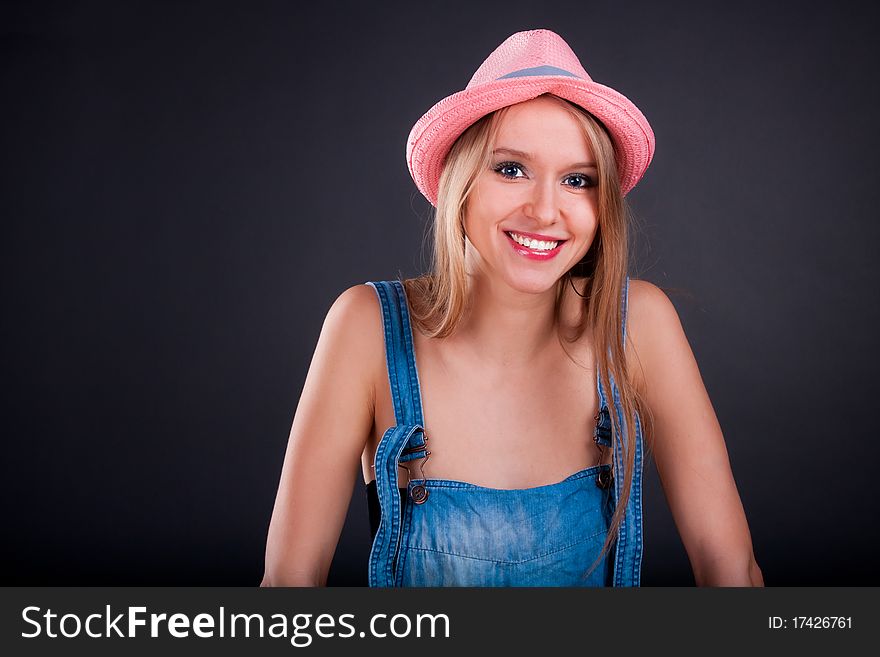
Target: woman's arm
(330, 429)
(689, 448)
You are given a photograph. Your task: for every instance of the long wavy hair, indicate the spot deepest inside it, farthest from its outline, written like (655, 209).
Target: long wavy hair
(439, 298)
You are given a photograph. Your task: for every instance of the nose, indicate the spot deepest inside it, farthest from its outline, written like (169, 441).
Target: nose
(543, 206)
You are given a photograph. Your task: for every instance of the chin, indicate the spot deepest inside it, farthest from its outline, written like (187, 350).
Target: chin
(533, 282)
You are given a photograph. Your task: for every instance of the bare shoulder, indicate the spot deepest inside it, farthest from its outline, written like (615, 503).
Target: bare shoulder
(357, 304)
(646, 299)
(353, 328)
(653, 326)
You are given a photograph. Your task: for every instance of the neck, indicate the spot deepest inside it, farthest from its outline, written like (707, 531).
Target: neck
(506, 327)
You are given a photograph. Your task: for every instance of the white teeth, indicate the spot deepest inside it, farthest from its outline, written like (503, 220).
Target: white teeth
(537, 245)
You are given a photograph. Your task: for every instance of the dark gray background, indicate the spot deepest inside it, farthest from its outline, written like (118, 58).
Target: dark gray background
(186, 188)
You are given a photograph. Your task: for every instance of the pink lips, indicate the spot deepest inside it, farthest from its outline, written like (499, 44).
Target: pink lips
(533, 254)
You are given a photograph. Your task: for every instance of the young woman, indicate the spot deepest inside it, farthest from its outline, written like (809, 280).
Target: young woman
(500, 408)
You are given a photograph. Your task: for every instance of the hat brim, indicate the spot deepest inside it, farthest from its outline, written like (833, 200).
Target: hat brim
(434, 133)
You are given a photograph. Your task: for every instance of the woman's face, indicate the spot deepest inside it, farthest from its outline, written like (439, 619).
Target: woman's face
(541, 185)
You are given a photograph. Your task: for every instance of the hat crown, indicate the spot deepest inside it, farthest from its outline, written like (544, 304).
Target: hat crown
(532, 52)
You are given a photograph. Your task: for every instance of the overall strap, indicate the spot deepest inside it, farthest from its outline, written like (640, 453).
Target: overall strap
(629, 545)
(603, 425)
(403, 442)
(399, 352)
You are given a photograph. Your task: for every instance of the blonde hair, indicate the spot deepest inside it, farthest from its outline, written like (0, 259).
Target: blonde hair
(439, 298)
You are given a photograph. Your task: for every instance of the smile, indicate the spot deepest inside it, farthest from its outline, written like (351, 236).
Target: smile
(534, 249)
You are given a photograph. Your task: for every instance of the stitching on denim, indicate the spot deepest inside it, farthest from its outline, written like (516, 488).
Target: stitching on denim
(389, 535)
(380, 543)
(403, 354)
(391, 352)
(627, 552)
(404, 549)
(392, 521)
(388, 519)
(505, 561)
(637, 557)
(621, 549)
(400, 410)
(382, 529)
(590, 472)
(622, 539)
(415, 396)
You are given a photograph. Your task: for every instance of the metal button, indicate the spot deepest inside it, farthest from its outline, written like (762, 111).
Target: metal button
(419, 493)
(604, 479)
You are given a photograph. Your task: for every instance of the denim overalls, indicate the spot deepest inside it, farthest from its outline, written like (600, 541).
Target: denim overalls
(443, 532)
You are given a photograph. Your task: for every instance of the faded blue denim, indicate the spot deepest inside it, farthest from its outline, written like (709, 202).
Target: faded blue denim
(469, 535)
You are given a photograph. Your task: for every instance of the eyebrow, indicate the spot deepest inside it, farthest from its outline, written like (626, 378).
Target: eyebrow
(528, 156)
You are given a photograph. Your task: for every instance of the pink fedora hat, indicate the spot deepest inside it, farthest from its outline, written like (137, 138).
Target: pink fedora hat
(525, 66)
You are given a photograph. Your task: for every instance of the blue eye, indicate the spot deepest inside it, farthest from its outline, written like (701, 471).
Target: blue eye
(504, 167)
(586, 181)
